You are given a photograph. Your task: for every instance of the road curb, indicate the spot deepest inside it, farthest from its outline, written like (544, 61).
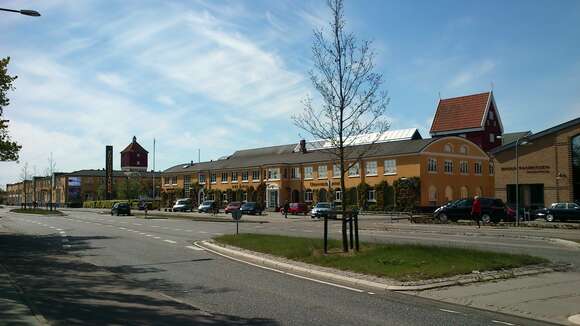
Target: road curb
(354, 281)
(34, 312)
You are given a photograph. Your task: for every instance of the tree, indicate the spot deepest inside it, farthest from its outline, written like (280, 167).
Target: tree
(8, 149)
(353, 103)
(50, 174)
(24, 174)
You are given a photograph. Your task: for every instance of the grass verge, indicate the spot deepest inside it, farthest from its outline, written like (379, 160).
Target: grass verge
(36, 211)
(400, 262)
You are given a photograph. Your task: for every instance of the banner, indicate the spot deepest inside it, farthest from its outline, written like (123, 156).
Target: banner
(109, 172)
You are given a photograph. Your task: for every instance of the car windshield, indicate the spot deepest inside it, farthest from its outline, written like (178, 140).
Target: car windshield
(181, 202)
(322, 205)
(207, 203)
(235, 203)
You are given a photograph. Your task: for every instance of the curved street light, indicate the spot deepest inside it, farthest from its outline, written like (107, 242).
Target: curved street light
(25, 12)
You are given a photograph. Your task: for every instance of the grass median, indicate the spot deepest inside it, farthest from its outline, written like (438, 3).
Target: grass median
(399, 262)
(37, 211)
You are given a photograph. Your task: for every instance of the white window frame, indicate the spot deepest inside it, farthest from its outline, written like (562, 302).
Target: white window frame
(254, 173)
(491, 167)
(187, 185)
(295, 173)
(371, 171)
(336, 170)
(354, 170)
(308, 173)
(201, 179)
(338, 196)
(224, 180)
(213, 178)
(464, 167)
(322, 171)
(388, 169)
(478, 168)
(372, 196)
(432, 165)
(174, 180)
(273, 173)
(308, 196)
(234, 177)
(448, 166)
(245, 176)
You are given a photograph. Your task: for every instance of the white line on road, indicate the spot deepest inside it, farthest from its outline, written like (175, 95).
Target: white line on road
(170, 241)
(155, 226)
(449, 311)
(52, 227)
(502, 322)
(59, 229)
(371, 293)
(62, 232)
(63, 235)
(202, 232)
(283, 272)
(66, 246)
(137, 224)
(148, 235)
(195, 248)
(156, 237)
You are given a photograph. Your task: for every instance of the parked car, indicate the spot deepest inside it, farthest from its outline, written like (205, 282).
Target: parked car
(493, 210)
(323, 209)
(559, 212)
(297, 208)
(121, 209)
(251, 208)
(183, 205)
(207, 206)
(233, 206)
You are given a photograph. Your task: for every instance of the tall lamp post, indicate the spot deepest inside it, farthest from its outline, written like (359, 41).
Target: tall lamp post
(25, 12)
(523, 140)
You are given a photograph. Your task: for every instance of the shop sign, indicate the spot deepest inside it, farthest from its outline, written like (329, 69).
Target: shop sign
(530, 169)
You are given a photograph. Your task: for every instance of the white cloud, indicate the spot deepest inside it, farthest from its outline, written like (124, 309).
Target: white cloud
(112, 80)
(474, 72)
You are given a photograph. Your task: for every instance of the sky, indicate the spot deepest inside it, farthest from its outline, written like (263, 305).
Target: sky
(218, 76)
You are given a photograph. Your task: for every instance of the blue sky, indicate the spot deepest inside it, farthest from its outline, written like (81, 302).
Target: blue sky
(227, 75)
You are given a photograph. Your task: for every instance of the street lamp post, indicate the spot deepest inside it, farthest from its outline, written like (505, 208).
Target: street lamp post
(520, 141)
(25, 12)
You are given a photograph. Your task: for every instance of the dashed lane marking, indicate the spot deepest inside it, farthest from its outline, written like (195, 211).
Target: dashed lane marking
(195, 248)
(170, 241)
(66, 246)
(450, 311)
(156, 237)
(204, 232)
(62, 232)
(502, 322)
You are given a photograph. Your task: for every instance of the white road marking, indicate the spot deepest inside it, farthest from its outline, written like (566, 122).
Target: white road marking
(52, 227)
(450, 311)
(502, 322)
(195, 248)
(283, 272)
(122, 228)
(170, 241)
(156, 237)
(59, 229)
(63, 235)
(149, 235)
(62, 232)
(137, 224)
(66, 246)
(371, 293)
(202, 232)
(155, 226)
(177, 230)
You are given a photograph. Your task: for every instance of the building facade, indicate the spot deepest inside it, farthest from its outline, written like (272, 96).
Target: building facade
(446, 168)
(134, 157)
(549, 167)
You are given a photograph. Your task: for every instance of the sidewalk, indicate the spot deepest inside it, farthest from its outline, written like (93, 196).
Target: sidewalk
(13, 308)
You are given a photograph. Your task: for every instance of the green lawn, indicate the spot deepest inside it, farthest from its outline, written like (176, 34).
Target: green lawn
(36, 211)
(400, 262)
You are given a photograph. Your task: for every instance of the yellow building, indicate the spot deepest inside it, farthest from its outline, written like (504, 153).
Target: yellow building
(428, 172)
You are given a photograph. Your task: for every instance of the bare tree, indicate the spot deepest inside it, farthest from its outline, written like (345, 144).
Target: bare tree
(24, 174)
(353, 103)
(50, 173)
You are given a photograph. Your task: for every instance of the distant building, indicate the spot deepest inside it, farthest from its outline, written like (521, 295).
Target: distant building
(474, 117)
(134, 157)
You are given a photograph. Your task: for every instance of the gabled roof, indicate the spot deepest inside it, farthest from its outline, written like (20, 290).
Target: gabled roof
(134, 147)
(462, 114)
(546, 132)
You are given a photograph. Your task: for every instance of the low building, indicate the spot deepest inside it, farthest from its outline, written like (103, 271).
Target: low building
(548, 169)
(440, 169)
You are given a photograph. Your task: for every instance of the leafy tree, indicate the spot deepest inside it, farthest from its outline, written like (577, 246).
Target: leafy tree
(8, 149)
(353, 103)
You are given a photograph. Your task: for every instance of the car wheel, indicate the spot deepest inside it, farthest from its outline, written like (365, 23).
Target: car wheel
(118, 214)
(550, 218)
(111, 213)
(485, 218)
(443, 218)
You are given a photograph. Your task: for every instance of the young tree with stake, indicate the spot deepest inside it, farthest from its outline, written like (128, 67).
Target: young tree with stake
(353, 103)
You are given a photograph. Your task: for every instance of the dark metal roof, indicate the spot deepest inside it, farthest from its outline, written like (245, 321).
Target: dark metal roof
(284, 155)
(557, 128)
(101, 173)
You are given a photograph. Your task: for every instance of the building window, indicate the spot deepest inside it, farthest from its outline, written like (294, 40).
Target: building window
(463, 149)
(491, 168)
(245, 196)
(448, 148)
(166, 180)
(432, 165)
(245, 175)
(390, 167)
(225, 197)
(274, 174)
(371, 168)
(477, 168)
(336, 171)
(138, 163)
(372, 195)
(256, 176)
(308, 196)
(308, 172)
(322, 171)
(338, 196)
(212, 178)
(295, 173)
(187, 185)
(234, 177)
(463, 167)
(432, 194)
(448, 166)
(354, 171)
(174, 180)
(201, 179)
(224, 177)
(491, 138)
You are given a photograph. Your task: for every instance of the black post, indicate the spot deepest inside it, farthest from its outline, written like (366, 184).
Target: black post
(356, 244)
(351, 231)
(325, 234)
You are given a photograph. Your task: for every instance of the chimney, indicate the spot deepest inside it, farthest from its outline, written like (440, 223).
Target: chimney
(190, 163)
(134, 139)
(303, 146)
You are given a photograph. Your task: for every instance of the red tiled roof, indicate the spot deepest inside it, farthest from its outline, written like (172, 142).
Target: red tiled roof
(134, 147)
(464, 112)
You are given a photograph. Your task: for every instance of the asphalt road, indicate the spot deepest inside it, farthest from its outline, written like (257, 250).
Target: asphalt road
(156, 261)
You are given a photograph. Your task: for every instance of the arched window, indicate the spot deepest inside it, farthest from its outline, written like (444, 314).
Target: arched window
(432, 194)
(463, 149)
(448, 193)
(464, 192)
(448, 148)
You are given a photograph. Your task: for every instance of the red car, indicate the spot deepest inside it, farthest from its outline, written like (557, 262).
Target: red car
(233, 206)
(297, 208)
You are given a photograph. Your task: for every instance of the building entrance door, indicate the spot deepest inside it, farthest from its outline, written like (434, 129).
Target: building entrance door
(272, 196)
